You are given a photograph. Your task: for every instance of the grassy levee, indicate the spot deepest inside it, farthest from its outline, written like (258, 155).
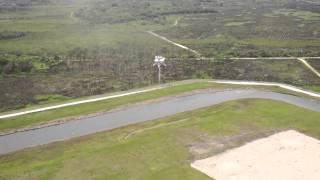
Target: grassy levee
(160, 149)
(77, 111)
(313, 88)
(100, 106)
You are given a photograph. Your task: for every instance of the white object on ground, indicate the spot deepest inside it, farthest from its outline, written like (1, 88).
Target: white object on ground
(286, 155)
(177, 21)
(255, 83)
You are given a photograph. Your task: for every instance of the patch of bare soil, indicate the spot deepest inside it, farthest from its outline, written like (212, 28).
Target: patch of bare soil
(204, 145)
(285, 155)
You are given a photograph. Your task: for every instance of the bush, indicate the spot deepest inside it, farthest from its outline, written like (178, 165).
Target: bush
(7, 35)
(9, 68)
(24, 66)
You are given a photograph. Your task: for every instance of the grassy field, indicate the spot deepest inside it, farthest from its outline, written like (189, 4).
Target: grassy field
(73, 48)
(54, 29)
(61, 27)
(265, 29)
(161, 149)
(56, 51)
(304, 15)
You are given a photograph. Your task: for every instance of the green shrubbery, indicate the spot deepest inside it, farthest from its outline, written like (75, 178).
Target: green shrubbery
(16, 64)
(7, 35)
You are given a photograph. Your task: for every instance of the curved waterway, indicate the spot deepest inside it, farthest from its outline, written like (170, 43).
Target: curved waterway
(140, 113)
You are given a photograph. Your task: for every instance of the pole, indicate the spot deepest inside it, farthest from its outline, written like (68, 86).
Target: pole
(159, 61)
(159, 73)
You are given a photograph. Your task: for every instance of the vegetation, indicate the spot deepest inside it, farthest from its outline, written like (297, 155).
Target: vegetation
(263, 28)
(18, 64)
(11, 35)
(85, 78)
(304, 15)
(55, 50)
(313, 88)
(315, 63)
(79, 48)
(58, 27)
(122, 154)
(50, 98)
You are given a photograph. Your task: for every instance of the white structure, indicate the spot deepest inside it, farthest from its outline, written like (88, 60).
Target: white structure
(159, 61)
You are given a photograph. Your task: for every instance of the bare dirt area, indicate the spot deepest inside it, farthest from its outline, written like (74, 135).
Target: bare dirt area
(205, 146)
(285, 155)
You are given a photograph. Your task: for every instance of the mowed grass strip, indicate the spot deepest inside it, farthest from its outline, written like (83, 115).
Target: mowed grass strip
(100, 106)
(315, 88)
(158, 153)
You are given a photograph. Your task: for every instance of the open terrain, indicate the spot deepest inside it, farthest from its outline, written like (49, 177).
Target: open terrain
(185, 137)
(63, 51)
(137, 151)
(55, 50)
(251, 29)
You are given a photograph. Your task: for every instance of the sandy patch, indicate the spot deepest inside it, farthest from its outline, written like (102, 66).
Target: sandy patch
(286, 155)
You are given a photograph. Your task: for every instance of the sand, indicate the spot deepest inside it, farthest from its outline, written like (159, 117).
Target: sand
(286, 155)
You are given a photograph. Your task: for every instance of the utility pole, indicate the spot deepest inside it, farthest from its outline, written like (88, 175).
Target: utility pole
(159, 61)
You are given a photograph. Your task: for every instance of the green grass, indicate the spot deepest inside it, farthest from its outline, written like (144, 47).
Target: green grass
(50, 98)
(51, 29)
(217, 39)
(238, 23)
(266, 42)
(313, 88)
(160, 153)
(266, 32)
(290, 43)
(62, 38)
(84, 109)
(304, 15)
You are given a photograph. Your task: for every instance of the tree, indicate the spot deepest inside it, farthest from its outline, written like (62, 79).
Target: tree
(9, 68)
